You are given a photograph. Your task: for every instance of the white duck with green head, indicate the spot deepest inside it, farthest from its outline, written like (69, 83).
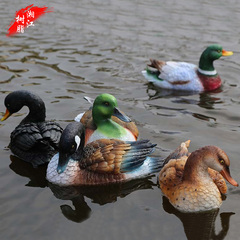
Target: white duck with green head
(186, 76)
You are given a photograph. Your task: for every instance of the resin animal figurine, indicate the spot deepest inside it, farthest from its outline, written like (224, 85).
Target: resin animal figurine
(105, 120)
(34, 140)
(100, 162)
(186, 76)
(194, 182)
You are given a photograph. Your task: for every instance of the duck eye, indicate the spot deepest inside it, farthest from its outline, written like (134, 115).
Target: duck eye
(218, 51)
(73, 146)
(222, 161)
(106, 104)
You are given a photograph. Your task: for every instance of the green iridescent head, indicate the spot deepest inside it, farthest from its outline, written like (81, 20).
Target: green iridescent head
(105, 106)
(211, 53)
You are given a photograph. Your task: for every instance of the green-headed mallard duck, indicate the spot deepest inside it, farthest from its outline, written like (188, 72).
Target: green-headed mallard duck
(105, 120)
(186, 76)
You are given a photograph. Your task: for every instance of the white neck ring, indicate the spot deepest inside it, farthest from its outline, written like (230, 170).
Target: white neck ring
(209, 73)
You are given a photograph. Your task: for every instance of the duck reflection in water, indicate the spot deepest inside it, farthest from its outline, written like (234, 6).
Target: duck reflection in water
(37, 176)
(98, 194)
(206, 99)
(201, 225)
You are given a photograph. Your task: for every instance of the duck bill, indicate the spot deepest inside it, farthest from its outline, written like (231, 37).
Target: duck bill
(62, 162)
(226, 174)
(6, 115)
(121, 116)
(226, 53)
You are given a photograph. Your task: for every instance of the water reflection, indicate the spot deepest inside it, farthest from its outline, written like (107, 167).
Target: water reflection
(201, 226)
(37, 176)
(98, 194)
(80, 211)
(206, 100)
(154, 92)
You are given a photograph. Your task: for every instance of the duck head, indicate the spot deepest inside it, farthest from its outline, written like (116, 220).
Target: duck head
(14, 101)
(71, 144)
(219, 161)
(105, 106)
(211, 53)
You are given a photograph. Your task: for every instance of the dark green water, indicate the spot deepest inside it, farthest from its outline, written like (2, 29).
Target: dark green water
(90, 47)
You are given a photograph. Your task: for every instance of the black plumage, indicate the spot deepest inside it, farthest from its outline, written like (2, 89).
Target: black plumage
(34, 140)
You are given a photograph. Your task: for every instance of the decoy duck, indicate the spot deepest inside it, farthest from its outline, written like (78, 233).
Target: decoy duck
(194, 182)
(105, 120)
(34, 140)
(186, 76)
(100, 162)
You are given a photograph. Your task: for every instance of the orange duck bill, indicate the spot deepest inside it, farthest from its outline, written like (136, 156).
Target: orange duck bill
(226, 174)
(6, 115)
(226, 53)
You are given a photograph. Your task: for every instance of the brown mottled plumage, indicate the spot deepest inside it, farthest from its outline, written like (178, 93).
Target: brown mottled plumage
(104, 156)
(188, 182)
(102, 161)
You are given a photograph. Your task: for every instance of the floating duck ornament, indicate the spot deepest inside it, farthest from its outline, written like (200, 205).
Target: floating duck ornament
(105, 120)
(34, 140)
(194, 182)
(100, 162)
(186, 76)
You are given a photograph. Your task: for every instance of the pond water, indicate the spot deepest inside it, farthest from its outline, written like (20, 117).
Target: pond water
(87, 47)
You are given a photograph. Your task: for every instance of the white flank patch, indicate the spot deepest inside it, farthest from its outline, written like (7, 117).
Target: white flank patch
(77, 140)
(209, 73)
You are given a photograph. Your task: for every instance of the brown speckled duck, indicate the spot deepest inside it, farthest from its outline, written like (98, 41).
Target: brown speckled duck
(194, 182)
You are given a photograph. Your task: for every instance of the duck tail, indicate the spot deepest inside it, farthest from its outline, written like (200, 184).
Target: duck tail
(156, 64)
(181, 151)
(137, 162)
(136, 155)
(155, 164)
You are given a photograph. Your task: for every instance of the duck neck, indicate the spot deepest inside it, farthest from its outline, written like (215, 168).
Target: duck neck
(77, 156)
(110, 128)
(205, 66)
(196, 167)
(37, 110)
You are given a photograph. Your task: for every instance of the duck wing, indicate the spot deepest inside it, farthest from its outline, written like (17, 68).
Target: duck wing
(35, 142)
(115, 156)
(176, 73)
(218, 180)
(172, 172)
